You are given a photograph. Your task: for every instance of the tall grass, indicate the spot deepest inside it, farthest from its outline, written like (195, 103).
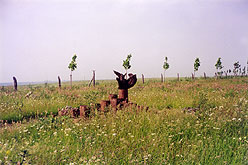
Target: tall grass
(167, 134)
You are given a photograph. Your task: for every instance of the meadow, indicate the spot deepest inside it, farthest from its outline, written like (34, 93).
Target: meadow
(188, 122)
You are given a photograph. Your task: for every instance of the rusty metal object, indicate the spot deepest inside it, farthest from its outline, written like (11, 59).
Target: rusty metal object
(59, 82)
(113, 101)
(15, 83)
(104, 104)
(98, 107)
(64, 111)
(123, 95)
(124, 84)
(84, 111)
(74, 112)
(112, 96)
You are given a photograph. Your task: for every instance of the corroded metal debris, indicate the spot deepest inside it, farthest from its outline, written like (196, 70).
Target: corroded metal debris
(115, 102)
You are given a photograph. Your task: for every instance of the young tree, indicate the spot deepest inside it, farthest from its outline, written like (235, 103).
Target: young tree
(196, 65)
(236, 66)
(126, 63)
(219, 66)
(72, 66)
(166, 66)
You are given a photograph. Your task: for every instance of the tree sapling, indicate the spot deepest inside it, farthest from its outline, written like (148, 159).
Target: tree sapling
(166, 66)
(219, 66)
(72, 66)
(126, 63)
(196, 65)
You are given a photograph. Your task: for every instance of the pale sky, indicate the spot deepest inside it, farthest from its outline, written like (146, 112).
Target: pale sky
(39, 37)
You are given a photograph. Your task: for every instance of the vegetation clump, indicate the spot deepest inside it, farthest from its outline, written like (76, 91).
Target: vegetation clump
(216, 133)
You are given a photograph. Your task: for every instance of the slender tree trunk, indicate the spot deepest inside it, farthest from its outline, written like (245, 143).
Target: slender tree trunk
(178, 79)
(71, 79)
(126, 73)
(205, 77)
(143, 79)
(164, 75)
(162, 79)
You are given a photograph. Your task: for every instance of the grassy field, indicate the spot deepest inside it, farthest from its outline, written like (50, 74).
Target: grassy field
(166, 134)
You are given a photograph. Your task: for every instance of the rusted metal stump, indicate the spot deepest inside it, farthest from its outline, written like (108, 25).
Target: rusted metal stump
(84, 111)
(104, 105)
(124, 84)
(123, 95)
(113, 101)
(74, 112)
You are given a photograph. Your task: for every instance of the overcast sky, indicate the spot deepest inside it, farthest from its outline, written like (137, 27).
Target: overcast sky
(39, 37)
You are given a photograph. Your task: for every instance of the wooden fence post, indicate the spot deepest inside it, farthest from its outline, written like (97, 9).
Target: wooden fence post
(15, 83)
(162, 80)
(93, 79)
(59, 82)
(143, 79)
(178, 79)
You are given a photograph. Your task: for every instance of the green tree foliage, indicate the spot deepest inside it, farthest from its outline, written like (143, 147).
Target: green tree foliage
(219, 66)
(196, 65)
(72, 66)
(166, 66)
(126, 63)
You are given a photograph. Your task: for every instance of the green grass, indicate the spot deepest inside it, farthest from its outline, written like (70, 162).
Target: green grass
(215, 134)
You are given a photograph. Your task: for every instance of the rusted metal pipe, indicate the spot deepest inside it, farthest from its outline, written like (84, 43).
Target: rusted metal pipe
(84, 111)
